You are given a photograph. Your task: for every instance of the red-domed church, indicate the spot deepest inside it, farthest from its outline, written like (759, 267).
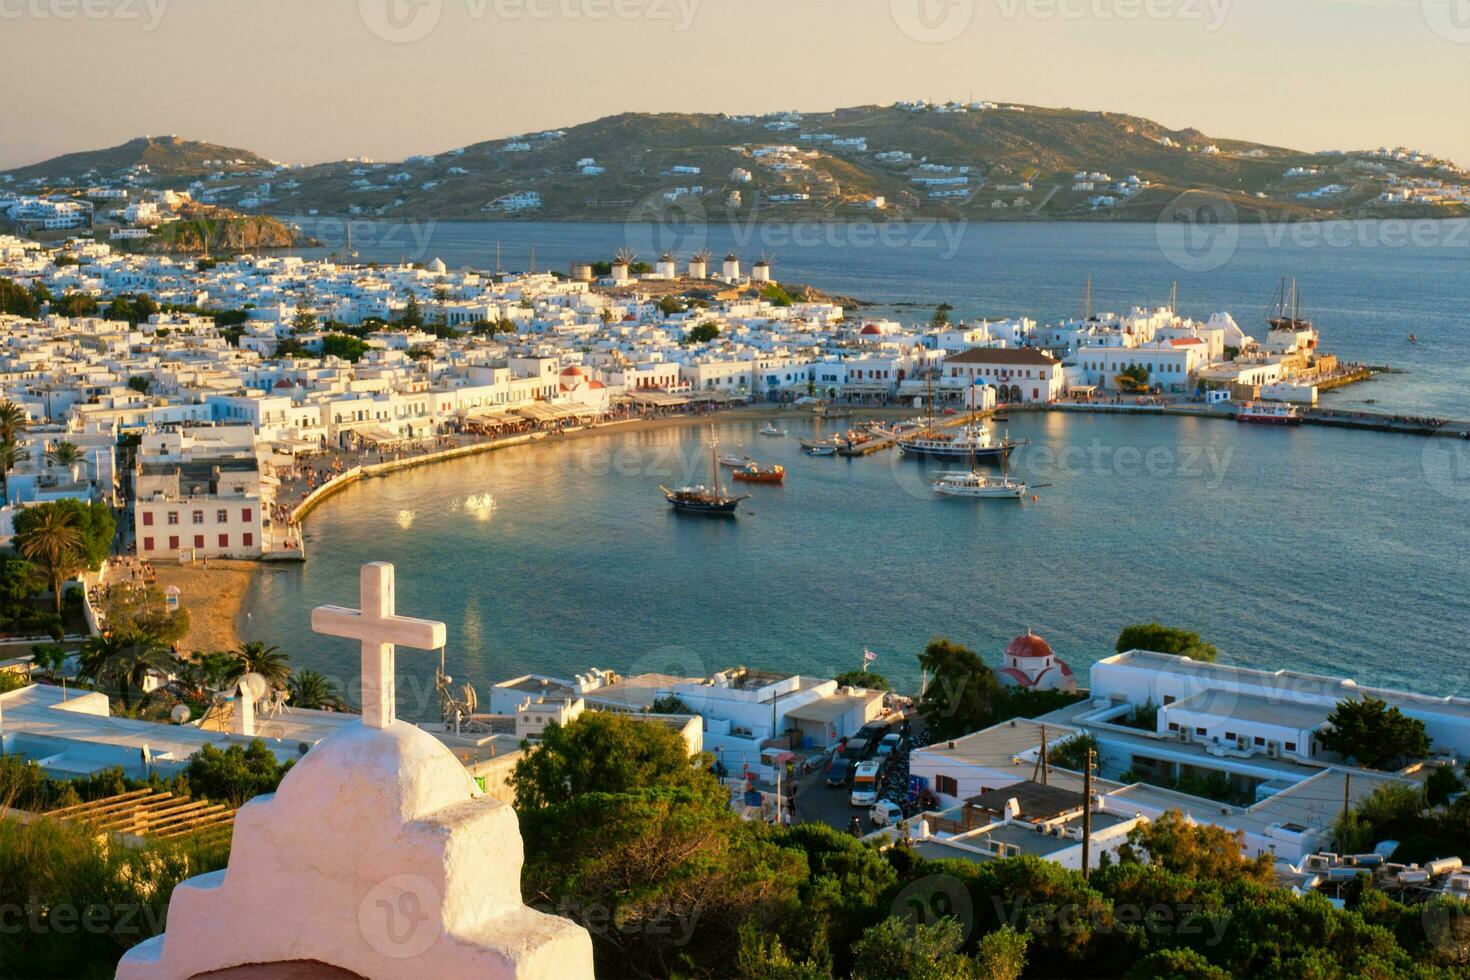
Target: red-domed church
(1030, 663)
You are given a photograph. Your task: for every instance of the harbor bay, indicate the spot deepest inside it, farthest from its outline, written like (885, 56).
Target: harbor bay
(1308, 549)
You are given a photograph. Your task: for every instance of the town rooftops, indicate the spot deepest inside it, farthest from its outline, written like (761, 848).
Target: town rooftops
(832, 707)
(1037, 801)
(1003, 355)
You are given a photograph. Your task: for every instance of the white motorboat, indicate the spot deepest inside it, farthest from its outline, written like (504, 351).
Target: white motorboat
(821, 450)
(735, 460)
(769, 429)
(970, 483)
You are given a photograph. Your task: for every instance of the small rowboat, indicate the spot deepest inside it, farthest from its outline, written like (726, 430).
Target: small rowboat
(754, 473)
(821, 450)
(735, 460)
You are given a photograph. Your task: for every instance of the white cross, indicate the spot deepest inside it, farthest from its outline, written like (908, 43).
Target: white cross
(379, 630)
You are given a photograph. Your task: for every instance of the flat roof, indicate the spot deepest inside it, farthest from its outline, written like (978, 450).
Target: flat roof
(832, 707)
(1255, 708)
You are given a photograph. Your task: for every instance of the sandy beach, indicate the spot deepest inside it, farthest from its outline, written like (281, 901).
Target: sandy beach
(214, 597)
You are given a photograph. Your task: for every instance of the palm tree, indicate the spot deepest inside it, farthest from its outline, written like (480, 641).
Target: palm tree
(54, 543)
(310, 689)
(139, 654)
(210, 671)
(65, 453)
(267, 661)
(11, 456)
(13, 422)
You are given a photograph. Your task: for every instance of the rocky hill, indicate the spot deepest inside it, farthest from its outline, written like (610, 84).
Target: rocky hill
(977, 161)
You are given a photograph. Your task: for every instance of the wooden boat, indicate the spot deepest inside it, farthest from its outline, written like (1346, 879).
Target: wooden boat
(821, 449)
(735, 460)
(972, 483)
(755, 473)
(701, 499)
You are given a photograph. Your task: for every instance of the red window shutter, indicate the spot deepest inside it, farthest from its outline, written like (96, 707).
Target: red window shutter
(147, 518)
(224, 540)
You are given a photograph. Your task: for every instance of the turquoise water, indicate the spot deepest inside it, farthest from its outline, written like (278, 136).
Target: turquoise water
(1312, 548)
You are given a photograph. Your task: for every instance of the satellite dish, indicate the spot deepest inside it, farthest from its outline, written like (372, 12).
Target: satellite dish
(180, 714)
(253, 685)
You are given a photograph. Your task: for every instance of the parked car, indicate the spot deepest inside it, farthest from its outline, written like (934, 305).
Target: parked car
(857, 749)
(889, 743)
(839, 772)
(885, 813)
(873, 731)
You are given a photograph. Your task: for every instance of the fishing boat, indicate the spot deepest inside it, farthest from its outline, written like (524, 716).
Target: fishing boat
(828, 441)
(1269, 413)
(701, 499)
(769, 429)
(735, 460)
(755, 473)
(821, 449)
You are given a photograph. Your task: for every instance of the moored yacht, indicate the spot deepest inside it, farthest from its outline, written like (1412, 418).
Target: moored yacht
(1269, 413)
(967, 442)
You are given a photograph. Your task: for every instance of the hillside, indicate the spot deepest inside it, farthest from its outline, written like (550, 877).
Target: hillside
(145, 158)
(976, 162)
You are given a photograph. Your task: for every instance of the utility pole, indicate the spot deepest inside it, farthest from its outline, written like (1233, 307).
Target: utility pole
(1040, 760)
(1347, 789)
(1087, 816)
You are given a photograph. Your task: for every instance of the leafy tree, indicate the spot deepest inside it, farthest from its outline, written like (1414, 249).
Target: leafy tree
(702, 333)
(235, 774)
(1379, 737)
(19, 581)
(210, 671)
(941, 315)
(17, 300)
(670, 704)
(962, 692)
(1176, 963)
(776, 295)
(129, 611)
(670, 305)
(662, 877)
(601, 752)
(49, 658)
(1001, 955)
(310, 689)
(92, 521)
(1165, 639)
(411, 316)
(261, 658)
(132, 308)
(1200, 851)
(1443, 782)
(1072, 753)
(304, 321)
(900, 948)
(846, 884)
(762, 956)
(291, 347)
(140, 384)
(74, 304)
(52, 541)
(343, 346)
(862, 678)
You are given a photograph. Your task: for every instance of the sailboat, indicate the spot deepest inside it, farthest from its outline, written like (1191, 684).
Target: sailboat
(701, 499)
(973, 483)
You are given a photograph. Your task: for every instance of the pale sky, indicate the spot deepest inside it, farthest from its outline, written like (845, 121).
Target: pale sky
(313, 80)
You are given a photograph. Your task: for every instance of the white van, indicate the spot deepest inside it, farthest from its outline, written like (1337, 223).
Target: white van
(865, 784)
(885, 813)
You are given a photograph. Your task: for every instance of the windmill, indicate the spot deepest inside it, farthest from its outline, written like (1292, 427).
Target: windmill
(699, 264)
(455, 707)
